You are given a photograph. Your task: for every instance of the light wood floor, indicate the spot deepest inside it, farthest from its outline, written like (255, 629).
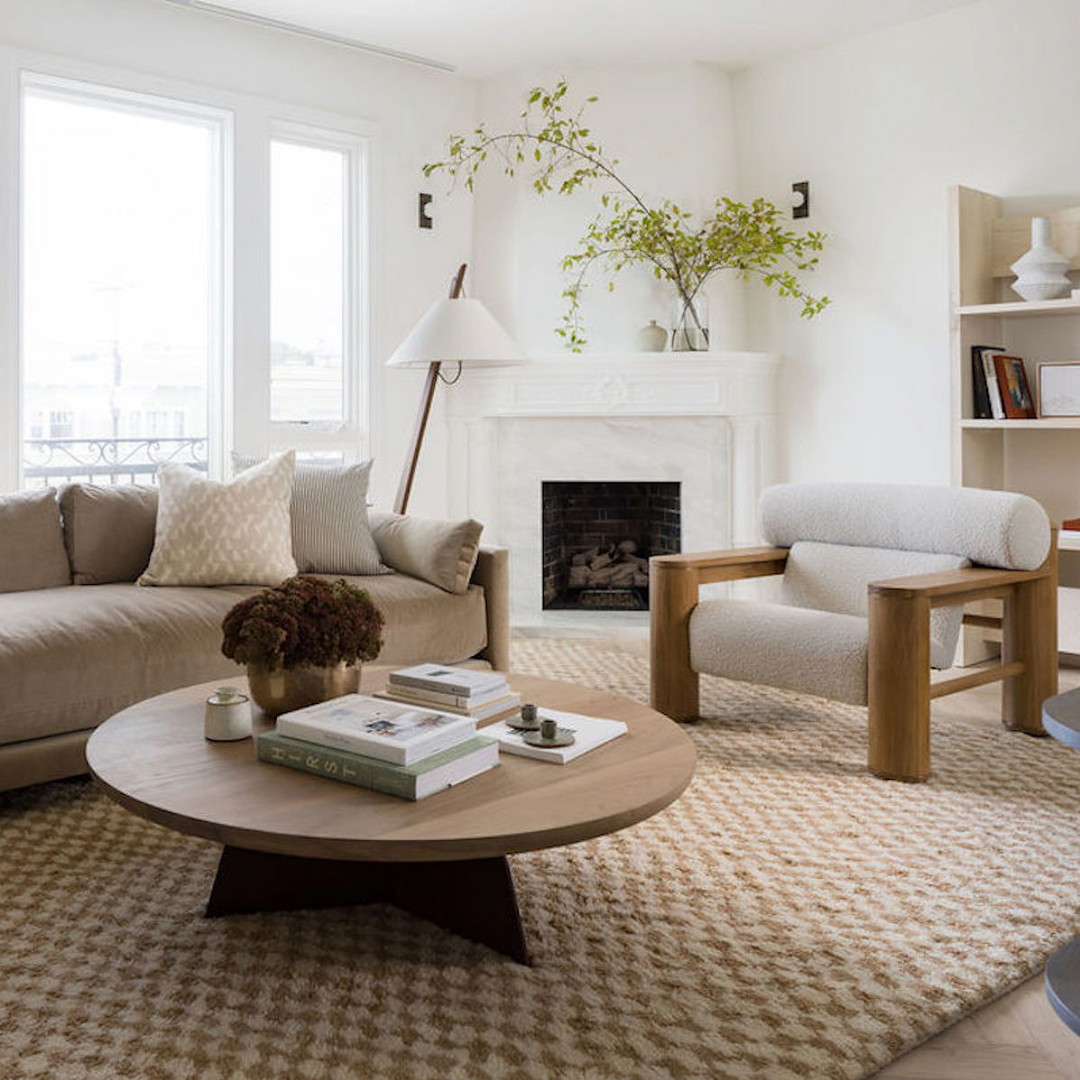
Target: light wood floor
(1017, 1037)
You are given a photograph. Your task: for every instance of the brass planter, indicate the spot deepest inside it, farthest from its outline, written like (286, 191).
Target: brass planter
(281, 691)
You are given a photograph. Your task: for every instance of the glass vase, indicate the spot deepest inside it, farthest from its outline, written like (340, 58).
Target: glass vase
(690, 324)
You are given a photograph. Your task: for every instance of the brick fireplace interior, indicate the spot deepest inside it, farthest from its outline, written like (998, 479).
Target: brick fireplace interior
(597, 539)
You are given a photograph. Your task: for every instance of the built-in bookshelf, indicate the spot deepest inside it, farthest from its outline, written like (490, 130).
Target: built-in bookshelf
(1040, 456)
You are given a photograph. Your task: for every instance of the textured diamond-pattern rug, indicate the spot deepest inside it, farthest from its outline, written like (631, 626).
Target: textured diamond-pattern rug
(787, 917)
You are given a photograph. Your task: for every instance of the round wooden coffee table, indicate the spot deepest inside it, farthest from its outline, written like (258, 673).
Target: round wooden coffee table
(297, 841)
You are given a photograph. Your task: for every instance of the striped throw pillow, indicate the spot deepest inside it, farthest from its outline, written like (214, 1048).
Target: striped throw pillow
(330, 530)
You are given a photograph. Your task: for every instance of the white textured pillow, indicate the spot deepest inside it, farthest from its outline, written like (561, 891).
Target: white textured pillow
(330, 530)
(442, 552)
(209, 533)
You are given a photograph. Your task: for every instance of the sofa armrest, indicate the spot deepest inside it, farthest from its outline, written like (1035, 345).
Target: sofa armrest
(492, 572)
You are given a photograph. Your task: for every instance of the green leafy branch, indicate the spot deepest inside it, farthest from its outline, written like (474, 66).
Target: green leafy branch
(561, 154)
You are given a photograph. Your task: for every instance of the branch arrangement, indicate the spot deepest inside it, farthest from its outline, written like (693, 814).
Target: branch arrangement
(560, 154)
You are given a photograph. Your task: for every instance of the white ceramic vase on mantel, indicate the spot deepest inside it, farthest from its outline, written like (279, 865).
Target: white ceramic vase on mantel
(1040, 273)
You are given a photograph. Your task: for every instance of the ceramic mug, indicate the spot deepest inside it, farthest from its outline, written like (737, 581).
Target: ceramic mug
(228, 715)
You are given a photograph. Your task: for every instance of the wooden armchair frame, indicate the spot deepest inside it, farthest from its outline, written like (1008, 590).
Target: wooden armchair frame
(899, 687)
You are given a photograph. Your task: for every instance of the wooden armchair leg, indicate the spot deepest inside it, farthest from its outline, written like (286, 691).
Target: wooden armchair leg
(1030, 636)
(898, 691)
(673, 595)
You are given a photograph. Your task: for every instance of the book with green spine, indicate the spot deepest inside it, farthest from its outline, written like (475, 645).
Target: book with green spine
(417, 781)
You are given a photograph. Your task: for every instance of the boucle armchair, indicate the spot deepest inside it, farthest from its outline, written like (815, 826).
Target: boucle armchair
(874, 582)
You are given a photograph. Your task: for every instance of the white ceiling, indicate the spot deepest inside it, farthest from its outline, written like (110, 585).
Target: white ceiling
(488, 37)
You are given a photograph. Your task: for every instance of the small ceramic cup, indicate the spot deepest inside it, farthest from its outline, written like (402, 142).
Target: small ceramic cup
(227, 716)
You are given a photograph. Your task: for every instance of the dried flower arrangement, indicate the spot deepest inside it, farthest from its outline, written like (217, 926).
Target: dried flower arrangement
(304, 621)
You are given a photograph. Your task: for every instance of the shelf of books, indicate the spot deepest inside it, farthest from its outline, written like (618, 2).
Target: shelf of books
(1016, 418)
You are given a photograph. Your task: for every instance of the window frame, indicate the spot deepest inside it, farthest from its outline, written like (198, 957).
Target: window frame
(221, 228)
(355, 148)
(243, 390)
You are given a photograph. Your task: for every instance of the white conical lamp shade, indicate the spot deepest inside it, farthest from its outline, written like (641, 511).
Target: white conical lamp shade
(461, 330)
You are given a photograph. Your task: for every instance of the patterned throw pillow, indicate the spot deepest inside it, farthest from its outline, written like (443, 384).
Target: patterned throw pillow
(330, 529)
(210, 533)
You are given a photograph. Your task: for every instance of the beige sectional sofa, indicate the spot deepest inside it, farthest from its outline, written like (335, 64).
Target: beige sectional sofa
(80, 640)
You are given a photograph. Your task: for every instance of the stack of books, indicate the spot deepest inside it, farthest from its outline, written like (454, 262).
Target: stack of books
(999, 385)
(403, 750)
(479, 695)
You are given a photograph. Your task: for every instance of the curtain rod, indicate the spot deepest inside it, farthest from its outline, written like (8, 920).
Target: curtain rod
(293, 28)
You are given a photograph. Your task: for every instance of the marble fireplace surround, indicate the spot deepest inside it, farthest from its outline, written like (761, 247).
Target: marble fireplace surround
(704, 420)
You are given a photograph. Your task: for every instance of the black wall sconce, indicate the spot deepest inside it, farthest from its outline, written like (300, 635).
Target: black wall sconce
(425, 213)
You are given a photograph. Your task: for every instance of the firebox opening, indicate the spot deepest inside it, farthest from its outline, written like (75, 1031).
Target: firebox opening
(598, 537)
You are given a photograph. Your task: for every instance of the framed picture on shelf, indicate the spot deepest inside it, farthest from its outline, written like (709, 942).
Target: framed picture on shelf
(1058, 383)
(1015, 392)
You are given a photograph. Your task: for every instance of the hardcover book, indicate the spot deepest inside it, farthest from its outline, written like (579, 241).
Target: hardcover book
(402, 734)
(993, 390)
(505, 703)
(1015, 394)
(589, 733)
(980, 393)
(437, 699)
(464, 682)
(434, 773)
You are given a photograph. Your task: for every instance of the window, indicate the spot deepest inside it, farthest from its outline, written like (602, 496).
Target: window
(139, 213)
(122, 223)
(311, 196)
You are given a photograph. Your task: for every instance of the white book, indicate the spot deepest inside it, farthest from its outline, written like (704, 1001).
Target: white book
(464, 682)
(436, 699)
(589, 733)
(402, 734)
(993, 389)
(504, 704)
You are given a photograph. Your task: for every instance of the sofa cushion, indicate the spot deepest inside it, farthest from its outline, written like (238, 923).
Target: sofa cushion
(330, 529)
(109, 531)
(424, 620)
(793, 648)
(834, 577)
(440, 552)
(210, 533)
(32, 553)
(71, 657)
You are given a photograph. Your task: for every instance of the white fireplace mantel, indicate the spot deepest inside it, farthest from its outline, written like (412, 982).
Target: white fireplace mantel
(704, 420)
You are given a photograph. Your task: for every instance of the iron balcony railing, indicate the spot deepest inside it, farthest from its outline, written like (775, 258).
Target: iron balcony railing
(106, 461)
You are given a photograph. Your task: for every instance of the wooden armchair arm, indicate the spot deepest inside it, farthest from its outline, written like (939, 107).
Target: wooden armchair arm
(956, 586)
(674, 581)
(726, 565)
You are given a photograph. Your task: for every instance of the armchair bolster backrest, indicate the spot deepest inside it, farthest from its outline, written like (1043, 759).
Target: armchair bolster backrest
(834, 577)
(990, 528)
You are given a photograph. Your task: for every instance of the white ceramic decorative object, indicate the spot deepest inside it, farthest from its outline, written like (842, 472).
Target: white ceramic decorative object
(228, 715)
(653, 337)
(1040, 273)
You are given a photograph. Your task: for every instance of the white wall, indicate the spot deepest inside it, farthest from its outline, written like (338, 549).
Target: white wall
(411, 107)
(984, 95)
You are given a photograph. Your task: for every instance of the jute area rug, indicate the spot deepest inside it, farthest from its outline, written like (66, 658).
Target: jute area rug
(787, 917)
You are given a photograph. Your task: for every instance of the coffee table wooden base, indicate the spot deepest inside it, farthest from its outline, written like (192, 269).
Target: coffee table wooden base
(473, 898)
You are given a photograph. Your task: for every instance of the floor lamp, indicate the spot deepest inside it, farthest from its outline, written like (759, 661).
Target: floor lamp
(457, 330)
